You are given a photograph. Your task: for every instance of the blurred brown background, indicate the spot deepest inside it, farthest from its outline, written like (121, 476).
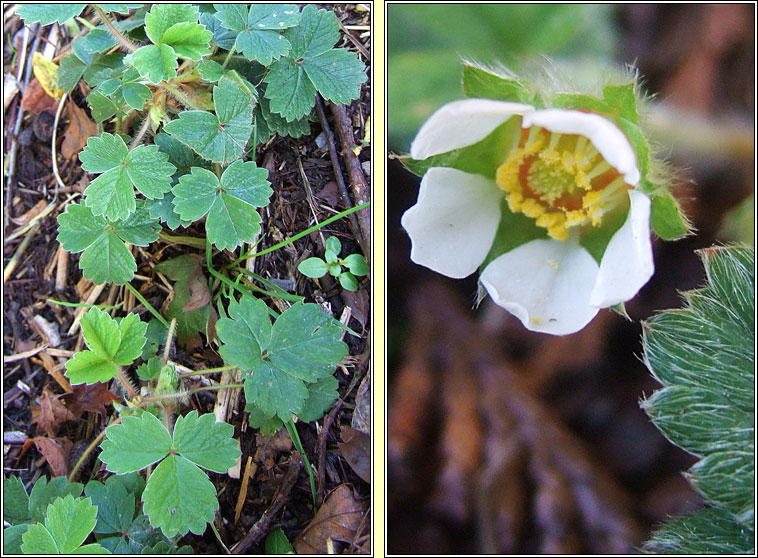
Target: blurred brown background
(505, 441)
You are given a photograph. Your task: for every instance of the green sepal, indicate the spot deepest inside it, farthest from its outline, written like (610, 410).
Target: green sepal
(483, 84)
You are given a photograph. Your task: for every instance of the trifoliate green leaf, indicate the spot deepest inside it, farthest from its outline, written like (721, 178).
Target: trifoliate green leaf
(68, 522)
(313, 65)
(115, 506)
(179, 497)
(313, 267)
(229, 203)
(205, 442)
(187, 271)
(704, 356)
(105, 256)
(301, 347)
(258, 29)
(356, 264)
(112, 193)
(219, 137)
(45, 493)
(134, 444)
(48, 13)
(15, 501)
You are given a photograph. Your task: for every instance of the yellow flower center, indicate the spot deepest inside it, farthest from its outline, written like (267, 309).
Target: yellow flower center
(560, 180)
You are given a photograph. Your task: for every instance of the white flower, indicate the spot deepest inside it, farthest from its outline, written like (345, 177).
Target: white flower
(571, 172)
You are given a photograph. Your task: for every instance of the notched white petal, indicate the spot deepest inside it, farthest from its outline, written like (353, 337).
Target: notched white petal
(546, 284)
(607, 138)
(454, 221)
(462, 123)
(628, 260)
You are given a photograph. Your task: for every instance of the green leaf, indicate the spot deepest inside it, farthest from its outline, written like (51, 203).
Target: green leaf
(313, 267)
(45, 493)
(132, 333)
(135, 444)
(70, 521)
(38, 540)
(101, 106)
(337, 74)
(291, 92)
(12, 538)
(164, 16)
(707, 531)
(487, 84)
(268, 426)
(179, 497)
(277, 543)
(185, 270)
(108, 259)
(333, 244)
(136, 94)
(48, 13)
(205, 442)
(70, 72)
(222, 137)
(317, 32)
(112, 193)
(222, 37)
(703, 355)
(87, 368)
(278, 124)
(189, 40)
(210, 70)
(156, 63)
(15, 501)
(115, 505)
(230, 203)
(149, 370)
(101, 333)
(302, 347)
(356, 263)
(348, 281)
(321, 395)
(257, 30)
(103, 67)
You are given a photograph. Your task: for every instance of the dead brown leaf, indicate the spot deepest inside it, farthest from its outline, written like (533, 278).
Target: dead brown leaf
(356, 449)
(362, 412)
(36, 100)
(360, 304)
(50, 412)
(339, 519)
(197, 287)
(55, 451)
(92, 398)
(80, 128)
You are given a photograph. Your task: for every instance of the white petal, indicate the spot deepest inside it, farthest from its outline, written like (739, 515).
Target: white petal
(462, 123)
(628, 261)
(454, 221)
(607, 138)
(546, 284)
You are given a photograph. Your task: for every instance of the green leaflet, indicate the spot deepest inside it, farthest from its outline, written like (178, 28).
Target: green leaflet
(68, 522)
(48, 13)
(257, 28)
(302, 347)
(703, 355)
(135, 443)
(230, 203)
(219, 137)
(112, 193)
(313, 65)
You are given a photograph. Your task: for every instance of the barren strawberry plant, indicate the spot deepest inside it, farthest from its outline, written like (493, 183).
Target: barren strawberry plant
(207, 393)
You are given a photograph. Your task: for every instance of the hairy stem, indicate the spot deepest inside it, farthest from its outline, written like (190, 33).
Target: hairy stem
(123, 41)
(142, 131)
(180, 96)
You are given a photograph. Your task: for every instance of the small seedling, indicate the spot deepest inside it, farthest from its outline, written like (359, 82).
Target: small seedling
(333, 264)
